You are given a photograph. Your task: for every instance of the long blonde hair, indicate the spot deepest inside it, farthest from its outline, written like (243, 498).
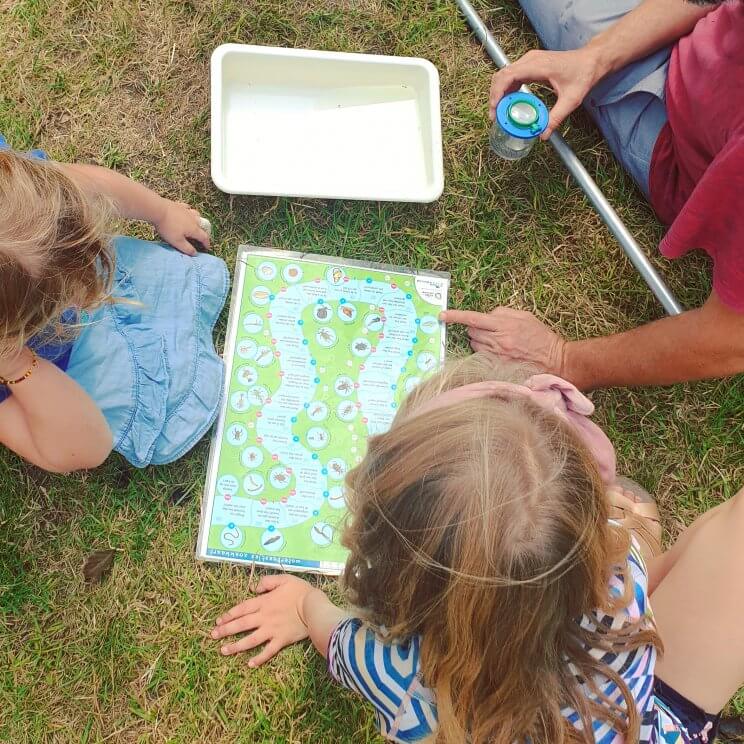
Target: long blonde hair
(55, 253)
(482, 527)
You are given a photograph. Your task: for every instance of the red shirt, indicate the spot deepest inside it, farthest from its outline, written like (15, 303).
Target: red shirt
(697, 170)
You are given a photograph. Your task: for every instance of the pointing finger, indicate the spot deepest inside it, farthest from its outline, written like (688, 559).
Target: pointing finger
(469, 318)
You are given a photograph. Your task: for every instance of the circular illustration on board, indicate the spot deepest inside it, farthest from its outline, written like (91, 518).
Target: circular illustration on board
(292, 273)
(344, 386)
(258, 395)
(336, 497)
(247, 348)
(429, 324)
(260, 296)
(336, 468)
(231, 536)
(326, 337)
(317, 411)
(272, 540)
(322, 313)
(280, 478)
(318, 437)
(252, 323)
(374, 322)
(236, 434)
(335, 276)
(254, 484)
(227, 485)
(347, 312)
(240, 401)
(252, 457)
(266, 271)
(246, 375)
(264, 356)
(321, 533)
(360, 347)
(346, 411)
(410, 384)
(426, 361)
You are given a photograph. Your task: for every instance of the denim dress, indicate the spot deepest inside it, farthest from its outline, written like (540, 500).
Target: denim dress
(147, 358)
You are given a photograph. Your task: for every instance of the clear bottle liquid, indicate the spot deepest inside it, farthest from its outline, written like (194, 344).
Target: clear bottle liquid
(520, 119)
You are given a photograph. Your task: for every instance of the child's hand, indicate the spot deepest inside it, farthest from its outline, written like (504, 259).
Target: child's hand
(275, 618)
(178, 223)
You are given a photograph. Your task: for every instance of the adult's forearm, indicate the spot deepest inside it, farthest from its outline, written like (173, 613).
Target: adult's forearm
(699, 344)
(645, 29)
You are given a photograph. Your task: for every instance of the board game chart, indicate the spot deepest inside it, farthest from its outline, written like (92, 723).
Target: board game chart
(319, 354)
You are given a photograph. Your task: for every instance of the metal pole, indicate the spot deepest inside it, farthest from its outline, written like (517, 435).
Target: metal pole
(609, 216)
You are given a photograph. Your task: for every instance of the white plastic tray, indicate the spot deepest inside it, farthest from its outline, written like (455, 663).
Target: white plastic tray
(295, 122)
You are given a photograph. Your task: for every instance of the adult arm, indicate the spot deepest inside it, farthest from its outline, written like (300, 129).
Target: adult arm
(572, 74)
(707, 342)
(175, 221)
(50, 420)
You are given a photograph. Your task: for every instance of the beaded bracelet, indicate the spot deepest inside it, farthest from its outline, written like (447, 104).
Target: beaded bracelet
(25, 375)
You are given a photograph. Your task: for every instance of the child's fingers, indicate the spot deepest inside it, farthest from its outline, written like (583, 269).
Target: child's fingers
(244, 608)
(201, 235)
(269, 583)
(239, 625)
(184, 246)
(269, 651)
(245, 644)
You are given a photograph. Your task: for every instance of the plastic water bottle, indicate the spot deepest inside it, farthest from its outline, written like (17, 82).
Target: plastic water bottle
(520, 119)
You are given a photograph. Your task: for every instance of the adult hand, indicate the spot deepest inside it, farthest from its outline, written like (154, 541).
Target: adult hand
(275, 618)
(512, 334)
(570, 74)
(179, 222)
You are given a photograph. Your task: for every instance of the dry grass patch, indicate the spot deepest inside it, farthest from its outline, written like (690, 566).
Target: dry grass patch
(125, 84)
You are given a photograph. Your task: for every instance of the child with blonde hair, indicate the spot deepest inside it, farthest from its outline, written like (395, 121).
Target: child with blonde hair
(493, 601)
(104, 343)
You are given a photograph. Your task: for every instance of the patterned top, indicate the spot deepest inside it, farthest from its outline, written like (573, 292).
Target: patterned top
(388, 674)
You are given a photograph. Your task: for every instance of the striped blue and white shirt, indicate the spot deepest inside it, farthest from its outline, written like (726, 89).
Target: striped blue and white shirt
(388, 674)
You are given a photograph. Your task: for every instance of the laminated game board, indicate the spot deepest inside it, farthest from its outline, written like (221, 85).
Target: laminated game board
(319, 354)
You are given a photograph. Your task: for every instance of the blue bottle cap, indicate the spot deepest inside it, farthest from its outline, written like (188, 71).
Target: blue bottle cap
(522, 115)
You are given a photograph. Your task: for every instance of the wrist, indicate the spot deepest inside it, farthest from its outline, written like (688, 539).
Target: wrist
(160, 210)
(601, 60)
(308, 598)
(572, 364)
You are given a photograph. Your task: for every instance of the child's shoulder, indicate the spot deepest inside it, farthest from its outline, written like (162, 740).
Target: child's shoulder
(387, 672)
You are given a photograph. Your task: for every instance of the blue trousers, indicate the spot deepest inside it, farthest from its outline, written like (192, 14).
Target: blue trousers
(627, 106)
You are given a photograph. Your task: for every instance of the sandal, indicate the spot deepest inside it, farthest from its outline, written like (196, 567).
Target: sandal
(635, 508)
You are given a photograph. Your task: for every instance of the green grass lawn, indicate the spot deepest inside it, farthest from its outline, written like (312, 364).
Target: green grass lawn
(125, 84)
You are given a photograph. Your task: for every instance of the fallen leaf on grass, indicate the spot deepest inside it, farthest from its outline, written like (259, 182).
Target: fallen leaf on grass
(180, 496)
(731, 729)
(98, 566)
